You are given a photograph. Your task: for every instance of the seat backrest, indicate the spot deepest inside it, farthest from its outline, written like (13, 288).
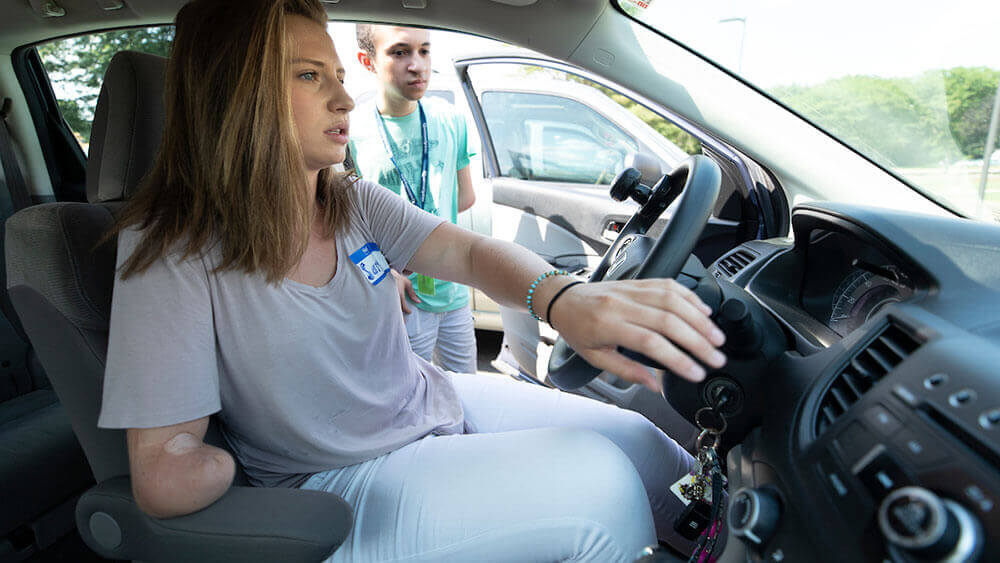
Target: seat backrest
(60, 271)
(60, 278)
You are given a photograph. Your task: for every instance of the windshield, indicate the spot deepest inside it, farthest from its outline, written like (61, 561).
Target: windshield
(913, 87)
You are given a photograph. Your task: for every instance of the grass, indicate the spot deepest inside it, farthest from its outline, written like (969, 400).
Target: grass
(959, 187)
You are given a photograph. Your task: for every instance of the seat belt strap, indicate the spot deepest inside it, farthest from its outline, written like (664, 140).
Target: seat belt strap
(11, 170)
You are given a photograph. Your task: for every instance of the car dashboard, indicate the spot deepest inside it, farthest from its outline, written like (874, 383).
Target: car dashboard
(879, 433)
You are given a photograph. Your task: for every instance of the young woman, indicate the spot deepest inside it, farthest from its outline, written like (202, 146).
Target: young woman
(252, 283)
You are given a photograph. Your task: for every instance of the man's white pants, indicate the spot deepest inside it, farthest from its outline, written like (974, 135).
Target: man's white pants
(447, 339)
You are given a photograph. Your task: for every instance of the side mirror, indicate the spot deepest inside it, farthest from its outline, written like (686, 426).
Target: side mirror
(648, 166)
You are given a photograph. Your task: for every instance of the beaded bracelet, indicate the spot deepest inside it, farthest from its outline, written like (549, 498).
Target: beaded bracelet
(534, 284)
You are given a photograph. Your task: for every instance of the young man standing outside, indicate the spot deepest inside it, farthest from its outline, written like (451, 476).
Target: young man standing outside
(418, 149)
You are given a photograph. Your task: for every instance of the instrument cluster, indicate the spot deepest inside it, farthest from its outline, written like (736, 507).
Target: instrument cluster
(846, 281)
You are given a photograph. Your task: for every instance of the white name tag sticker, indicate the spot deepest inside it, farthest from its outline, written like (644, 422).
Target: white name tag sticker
(372, 263)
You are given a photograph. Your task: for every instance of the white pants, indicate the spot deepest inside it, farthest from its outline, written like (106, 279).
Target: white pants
(549, 476)
(448, 339)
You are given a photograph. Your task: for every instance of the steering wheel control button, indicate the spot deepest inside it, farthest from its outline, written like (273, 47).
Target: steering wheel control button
(883, 421)
(919, 523)
(961, 398)
(990, 420)
(753, 515)
(935, 381)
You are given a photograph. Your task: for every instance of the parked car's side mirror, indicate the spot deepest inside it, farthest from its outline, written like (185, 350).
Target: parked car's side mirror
(647, 165)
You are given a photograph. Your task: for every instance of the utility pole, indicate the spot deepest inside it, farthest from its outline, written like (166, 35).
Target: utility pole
(990, 145)
(743, 35)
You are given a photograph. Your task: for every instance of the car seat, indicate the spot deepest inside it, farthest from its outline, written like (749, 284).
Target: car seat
(42, 467)
(60, 276)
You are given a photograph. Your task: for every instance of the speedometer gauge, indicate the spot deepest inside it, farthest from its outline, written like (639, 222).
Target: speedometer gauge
(863, 293)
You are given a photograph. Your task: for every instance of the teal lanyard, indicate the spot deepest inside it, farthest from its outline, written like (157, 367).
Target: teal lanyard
(383, 134)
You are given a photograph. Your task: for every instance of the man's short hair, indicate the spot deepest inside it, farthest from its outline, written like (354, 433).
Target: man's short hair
(366, 39)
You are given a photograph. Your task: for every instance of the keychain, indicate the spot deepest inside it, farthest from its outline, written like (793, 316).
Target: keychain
(701, 490)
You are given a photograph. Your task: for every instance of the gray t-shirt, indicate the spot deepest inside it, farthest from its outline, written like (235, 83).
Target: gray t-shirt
(305, 379)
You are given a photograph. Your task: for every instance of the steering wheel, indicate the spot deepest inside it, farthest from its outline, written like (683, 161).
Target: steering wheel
(697, 180)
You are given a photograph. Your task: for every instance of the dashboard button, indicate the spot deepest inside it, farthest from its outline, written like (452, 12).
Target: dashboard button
(882, 420)
(833, 478)
(838, 484)
(753, 515)
(842, 489)
(961, 398)
(936, 380)
(922, 450)
(974, 492)
(990, 419)
(905, 395)
(921, 526)
(880, 474)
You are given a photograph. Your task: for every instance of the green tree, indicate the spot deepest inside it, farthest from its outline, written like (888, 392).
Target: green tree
(882, 117)
(937, 116)
(970, 94)
(76, 68)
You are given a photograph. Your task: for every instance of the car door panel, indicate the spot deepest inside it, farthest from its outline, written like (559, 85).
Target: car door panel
(583, 211)
(588, 212)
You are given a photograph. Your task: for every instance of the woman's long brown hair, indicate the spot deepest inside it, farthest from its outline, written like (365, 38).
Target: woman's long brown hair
(229, 169)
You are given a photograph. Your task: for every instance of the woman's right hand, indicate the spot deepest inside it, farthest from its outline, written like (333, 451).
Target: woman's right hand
(659, 318)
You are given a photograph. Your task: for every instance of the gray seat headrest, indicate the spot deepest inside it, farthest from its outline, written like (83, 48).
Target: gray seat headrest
(128, 124)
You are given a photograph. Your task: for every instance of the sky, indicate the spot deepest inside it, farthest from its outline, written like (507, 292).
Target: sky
(789, 41)
(805, 42)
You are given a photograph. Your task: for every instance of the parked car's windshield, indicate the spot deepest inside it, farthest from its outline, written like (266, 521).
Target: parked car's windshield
(911, 86)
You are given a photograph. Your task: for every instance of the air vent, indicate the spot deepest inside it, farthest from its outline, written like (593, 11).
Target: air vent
(864, 370)
(735, 262)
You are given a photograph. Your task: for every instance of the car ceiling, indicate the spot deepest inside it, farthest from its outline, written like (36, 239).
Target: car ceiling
(521, 21)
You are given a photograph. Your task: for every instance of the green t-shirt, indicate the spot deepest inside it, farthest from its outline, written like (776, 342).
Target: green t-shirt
(447, 154)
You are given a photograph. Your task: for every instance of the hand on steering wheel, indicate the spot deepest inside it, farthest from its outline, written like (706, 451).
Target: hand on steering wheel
(659, 318)
(654, 316)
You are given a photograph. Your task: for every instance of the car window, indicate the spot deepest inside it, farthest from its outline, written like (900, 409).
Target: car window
(553, 138)
(76, 66)
(550, 125)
